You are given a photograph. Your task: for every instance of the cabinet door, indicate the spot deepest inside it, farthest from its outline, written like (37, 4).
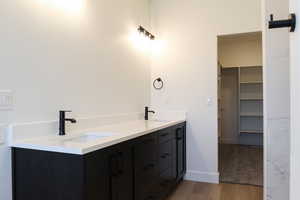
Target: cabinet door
(97, 176)
(180, 151)
(121, 175)
(42, 175)
(146, 166)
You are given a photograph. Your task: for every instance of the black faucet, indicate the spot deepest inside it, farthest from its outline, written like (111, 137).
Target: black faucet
(147, 111)
(62, 121)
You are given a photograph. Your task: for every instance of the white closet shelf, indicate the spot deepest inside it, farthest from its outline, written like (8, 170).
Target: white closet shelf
(250, 66)
(251, 131)
(251, 82)
(251, 115)
(251, 99)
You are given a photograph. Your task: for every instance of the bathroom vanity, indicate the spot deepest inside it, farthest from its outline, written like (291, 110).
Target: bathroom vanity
(146, 164)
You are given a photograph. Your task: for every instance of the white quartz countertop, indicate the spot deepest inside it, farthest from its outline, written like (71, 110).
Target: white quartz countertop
(87, 141)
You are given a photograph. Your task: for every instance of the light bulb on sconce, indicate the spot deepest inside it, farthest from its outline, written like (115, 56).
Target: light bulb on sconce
(142, 39)
(146, 33)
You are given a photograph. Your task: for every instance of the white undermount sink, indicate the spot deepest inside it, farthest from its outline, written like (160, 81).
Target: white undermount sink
(90, 137)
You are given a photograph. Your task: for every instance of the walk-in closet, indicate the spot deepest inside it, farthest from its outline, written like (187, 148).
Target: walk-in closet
(240, 98)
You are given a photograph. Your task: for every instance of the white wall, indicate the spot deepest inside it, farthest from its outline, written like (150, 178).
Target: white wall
(295, 108)
(240, 50)
(55, 56)
(187, 62)
(5, 170)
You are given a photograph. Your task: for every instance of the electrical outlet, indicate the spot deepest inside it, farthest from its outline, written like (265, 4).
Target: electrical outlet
(6, 100)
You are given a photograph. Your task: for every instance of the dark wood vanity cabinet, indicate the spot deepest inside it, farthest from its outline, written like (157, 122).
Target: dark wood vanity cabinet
(145, 168)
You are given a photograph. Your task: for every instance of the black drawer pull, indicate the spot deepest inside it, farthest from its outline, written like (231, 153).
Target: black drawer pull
(150, 197)
(164, 134)
(121, 163)
(178, 131)
(120, 172)
(148, 141)
(165, 155)
(179, 134)
(164, 183)
(149, 166)
(114, 171)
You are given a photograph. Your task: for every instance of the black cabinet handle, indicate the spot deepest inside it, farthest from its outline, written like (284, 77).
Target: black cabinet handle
(150, 197)
(165, 155)
(148, 141)
(120, 163)
(179, 134)
(114, 166)
(149, 166)
(178, 131)
(164, 134)
(117, 164)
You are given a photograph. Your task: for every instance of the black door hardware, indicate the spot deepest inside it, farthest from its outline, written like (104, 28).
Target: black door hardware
(290, 22)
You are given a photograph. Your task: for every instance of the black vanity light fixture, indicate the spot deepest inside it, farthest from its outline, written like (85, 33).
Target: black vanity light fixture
(142, 30)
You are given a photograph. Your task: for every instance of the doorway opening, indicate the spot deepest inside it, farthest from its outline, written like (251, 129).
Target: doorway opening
(240, 108)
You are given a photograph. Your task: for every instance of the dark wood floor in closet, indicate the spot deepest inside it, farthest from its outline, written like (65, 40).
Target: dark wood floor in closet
(241, 164)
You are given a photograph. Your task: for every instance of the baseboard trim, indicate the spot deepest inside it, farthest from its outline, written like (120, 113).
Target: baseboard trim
(206, 177)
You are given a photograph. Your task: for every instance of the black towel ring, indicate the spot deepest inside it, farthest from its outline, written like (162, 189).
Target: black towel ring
(159, 80)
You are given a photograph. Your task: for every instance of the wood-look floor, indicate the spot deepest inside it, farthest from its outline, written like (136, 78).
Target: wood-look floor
(188, 190)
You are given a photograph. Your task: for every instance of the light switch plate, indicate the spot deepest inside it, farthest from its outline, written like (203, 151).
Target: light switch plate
(6, 100)
(209, 101)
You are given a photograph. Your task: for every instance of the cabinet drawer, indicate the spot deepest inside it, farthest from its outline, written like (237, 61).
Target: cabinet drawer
(165, 182)
(145, 153)
(148, 193)
(147, 188)
(159, 190)
(165, 135)
(165, 156)
(146, 175)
